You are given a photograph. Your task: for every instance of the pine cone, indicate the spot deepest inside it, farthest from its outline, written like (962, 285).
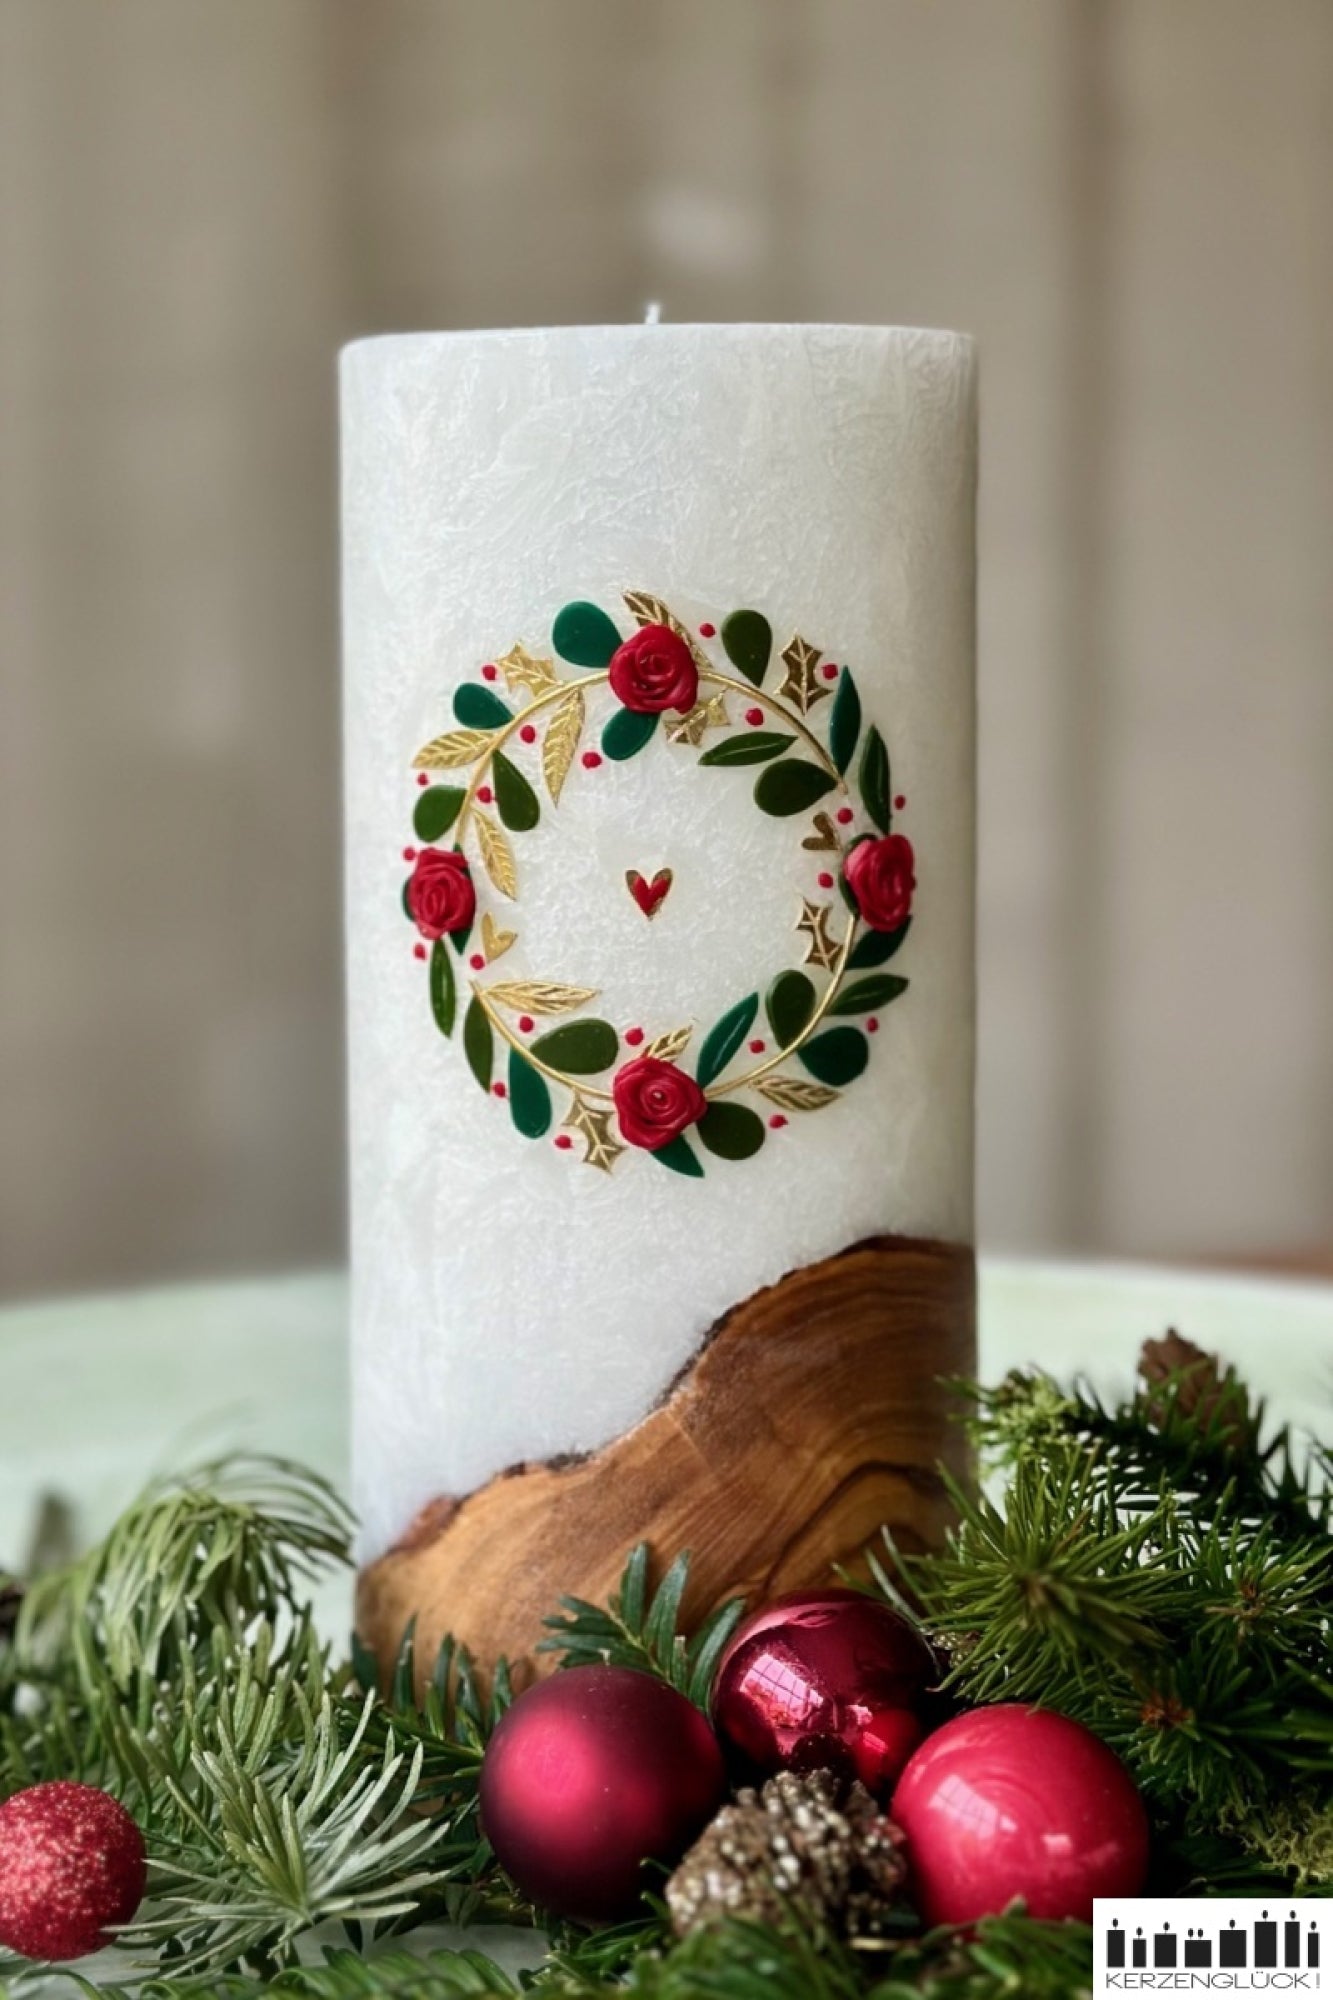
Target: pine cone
(810, 1845)
(1201, 1389)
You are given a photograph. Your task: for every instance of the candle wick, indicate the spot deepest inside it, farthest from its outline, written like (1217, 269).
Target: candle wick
(652, 313)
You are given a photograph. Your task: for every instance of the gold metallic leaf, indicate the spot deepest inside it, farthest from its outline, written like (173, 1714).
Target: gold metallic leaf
(793, 1093)
(524, 669)
(497, 856)
(452, 752)
(823, 949)
(705, 715)
(561, 741)
(824, 836)
(594, 1123)
(668, 1046)
(800, 684)
(651, 610)
(495, 942)
(538, 996)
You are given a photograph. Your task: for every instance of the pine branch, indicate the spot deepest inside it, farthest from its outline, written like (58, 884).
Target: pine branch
(635, 1630)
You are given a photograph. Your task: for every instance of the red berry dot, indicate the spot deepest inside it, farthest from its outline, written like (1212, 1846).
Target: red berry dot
(844, 815)
(591, 759)
(498, 1090)
(634, 1036)
(418, 951)
(872, 1026)
(776, 1122)
(528, 733)
(488, 672)
(830, 672)
(526, 1024)
(422, 778)
(900, 802)
(756, 1047)
(754, 716)
(485, 794)
(477, 962)
(825, 880)
(409, 854)
(563, 1141)
(707, 631)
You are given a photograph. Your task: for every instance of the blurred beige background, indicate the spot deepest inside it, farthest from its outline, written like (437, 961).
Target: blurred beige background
(1130, 202)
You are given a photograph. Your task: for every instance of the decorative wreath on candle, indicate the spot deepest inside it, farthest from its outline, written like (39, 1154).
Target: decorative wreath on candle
(620, 1087)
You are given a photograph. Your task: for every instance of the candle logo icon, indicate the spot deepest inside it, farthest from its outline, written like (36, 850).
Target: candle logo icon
(1207, 1944)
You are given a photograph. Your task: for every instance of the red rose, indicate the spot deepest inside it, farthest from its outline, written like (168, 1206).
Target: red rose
(440, 894)
(655, 670)
(879, 875)
(655, 1101)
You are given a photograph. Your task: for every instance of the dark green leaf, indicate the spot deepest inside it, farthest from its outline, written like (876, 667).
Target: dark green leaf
(681, 1158)
(436, 811)
(626, 733)
(748, 639)
(732, 1131)
(584, 635)
(845, 721)
(581, 1047)
(877, 947)
(864, 994)
(755, 748)
(479, 1042)
(837, 1056)
(514, 795)
(724, 1038)
(789, 1004)
(458, 939)
(443, 991)
(875, 779)
(407, 907)
(791, 787)
(529, 1099)
(480, 707)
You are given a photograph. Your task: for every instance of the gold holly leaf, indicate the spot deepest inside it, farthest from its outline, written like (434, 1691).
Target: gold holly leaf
(800, 684)
(561, 741)
(823, 837)
(495, 942)
(668, 1046)
(538, 996)
(792, 1093)
(451, 752)
(497, 856)
(705, 715)
(823, 949)
(651, 610)
(593, 1123)
(523, 669)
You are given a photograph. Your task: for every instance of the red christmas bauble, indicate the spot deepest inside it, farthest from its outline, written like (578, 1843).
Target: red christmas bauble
(72, 1864)
(1013, 1801)
(589, 1775)
(829, 1680)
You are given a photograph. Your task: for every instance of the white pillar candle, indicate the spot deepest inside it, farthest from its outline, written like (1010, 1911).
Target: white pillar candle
(530, 1283)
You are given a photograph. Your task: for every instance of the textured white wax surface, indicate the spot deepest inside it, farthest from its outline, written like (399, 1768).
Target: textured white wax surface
(508, 1301)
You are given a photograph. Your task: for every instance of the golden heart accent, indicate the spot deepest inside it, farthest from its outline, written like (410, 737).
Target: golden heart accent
(495, 942)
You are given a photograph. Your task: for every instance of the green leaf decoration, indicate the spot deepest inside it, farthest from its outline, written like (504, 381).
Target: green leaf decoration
(584, 635)
(837, 1056)
(724, 1038)
(845, 721)
(443, 990)
(732, 1131)
(748, 639)
(580, 1047)
(874, 779)
(480, 707)
(514, 796)
(529, 1099)
(458, 939)
(755, 747)
(790, 787)
(436, 810)
(626, 733)
(877, 947)
(681, 1157)
(479, 1042)
(407, 907)
(864, 994)
(789, 1003)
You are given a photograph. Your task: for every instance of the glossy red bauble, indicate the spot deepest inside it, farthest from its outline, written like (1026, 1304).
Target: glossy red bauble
(589, 1775)
(825, 1680)
(1014, 1801)
(72, 1865)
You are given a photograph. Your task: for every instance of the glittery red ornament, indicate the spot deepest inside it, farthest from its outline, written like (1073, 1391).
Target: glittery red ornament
(589, 1775)
(71, 1864)
(825, 1680)
(1014, 1801)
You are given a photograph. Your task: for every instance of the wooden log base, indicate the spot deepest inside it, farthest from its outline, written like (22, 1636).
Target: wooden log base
(812, 1414)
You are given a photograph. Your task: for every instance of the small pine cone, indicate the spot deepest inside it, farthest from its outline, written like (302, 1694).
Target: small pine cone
(1201, 1389)
(810, 1845)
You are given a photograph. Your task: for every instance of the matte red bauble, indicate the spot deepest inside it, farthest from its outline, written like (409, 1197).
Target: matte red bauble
(825, 1680)
(72, 1864)
(1014, 1801)
(589, 1775)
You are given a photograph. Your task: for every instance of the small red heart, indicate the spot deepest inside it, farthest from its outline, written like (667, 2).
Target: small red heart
(648, 895)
